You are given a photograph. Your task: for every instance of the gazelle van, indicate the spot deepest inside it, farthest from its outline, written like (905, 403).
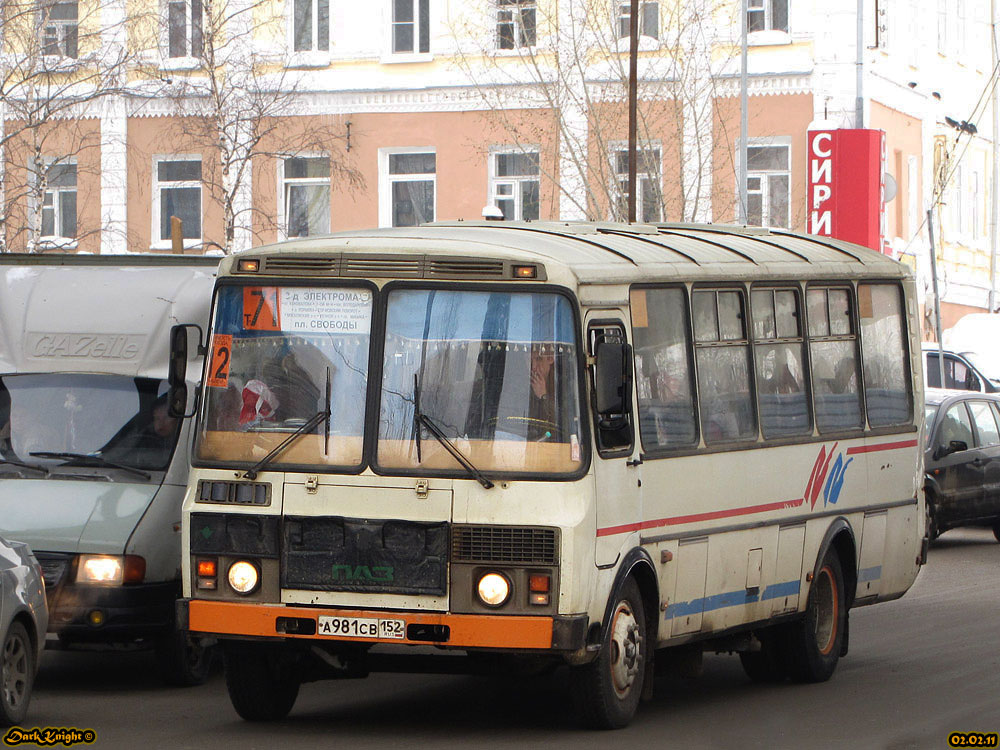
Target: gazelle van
(92, 466)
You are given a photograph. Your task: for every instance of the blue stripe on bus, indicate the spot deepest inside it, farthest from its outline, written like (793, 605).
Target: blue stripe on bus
(870, 574)
(729, 599)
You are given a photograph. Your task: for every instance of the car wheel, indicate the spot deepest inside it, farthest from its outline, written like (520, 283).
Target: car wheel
(263, 681)
(609, 687)
(182, 660)
(816, 640)
(17, 674)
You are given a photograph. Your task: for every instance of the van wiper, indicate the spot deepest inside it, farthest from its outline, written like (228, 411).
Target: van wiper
(23, 465)
(422, 420)
(314, 420)
(92, 460)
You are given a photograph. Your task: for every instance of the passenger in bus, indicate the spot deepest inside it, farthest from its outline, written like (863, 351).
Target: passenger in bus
(542, 409)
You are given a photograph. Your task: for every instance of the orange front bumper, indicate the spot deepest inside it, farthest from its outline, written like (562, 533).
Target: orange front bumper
(464, 631)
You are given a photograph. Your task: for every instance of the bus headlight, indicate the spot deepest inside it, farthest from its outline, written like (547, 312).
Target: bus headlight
(493, 589)
(243, 577)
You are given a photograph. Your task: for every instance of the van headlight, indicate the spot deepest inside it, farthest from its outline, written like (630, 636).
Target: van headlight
(99, 569)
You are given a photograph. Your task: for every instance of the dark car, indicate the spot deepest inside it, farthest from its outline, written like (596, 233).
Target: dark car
(962, 460)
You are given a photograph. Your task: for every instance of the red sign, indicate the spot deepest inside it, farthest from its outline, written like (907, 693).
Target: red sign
(846, 180)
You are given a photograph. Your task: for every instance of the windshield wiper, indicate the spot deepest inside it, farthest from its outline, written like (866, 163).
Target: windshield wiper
(23, 465)
(316, 418)
(92, 459)
(422, 420)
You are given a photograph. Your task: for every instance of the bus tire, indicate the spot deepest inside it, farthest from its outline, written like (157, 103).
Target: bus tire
(815, 641)
(769, 664)
(608, 689)
(996, 531)
(263, 682)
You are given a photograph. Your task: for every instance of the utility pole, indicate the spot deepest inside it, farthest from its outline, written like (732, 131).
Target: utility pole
(633, 103)
(995, 176)
(743, 115)
(937, 296)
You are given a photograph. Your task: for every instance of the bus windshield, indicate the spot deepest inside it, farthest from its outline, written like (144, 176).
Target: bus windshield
(80, 419)
(280, 356)
(496, 372)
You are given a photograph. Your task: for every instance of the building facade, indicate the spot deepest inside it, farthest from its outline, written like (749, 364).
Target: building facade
(238, 122)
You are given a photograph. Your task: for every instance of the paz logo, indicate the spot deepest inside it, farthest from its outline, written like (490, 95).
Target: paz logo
(827, 476)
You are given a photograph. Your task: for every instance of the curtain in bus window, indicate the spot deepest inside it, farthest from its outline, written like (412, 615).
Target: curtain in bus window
(662, 365)
(882, 339)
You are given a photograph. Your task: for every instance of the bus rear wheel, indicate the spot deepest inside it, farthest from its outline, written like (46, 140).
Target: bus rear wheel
(263, 681)
(816, 640)
(770, 663)
(609, 687)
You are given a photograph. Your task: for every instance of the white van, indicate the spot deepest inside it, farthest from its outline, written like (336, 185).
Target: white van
(92, 467)
(960, 372)
(975, 336)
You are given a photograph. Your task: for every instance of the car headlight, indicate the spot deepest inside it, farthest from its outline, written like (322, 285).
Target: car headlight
(243, 577)
(99, 569)
(493, 589)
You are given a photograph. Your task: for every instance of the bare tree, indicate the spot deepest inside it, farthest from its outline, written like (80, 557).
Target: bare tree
(571, 60)
(249, 108)
(59, 59)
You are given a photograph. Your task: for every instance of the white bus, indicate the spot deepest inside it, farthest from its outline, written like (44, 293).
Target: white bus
(562, 443)
(92, 468)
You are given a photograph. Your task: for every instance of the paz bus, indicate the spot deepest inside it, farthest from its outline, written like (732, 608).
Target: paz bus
(92, 467)
(550, 443)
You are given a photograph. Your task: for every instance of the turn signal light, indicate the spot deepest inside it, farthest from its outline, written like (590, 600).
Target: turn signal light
(538, 583)
(206, 568)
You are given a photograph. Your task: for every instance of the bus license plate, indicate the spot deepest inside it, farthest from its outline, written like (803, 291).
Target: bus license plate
(362, 627)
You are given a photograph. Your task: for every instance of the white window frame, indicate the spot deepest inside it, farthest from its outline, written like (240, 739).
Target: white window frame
(514, 180)
(284, 183)
(188, 59)
(386, 181)
(765, 7)
(620, 188)
(59, 239)
(414, 53)
(314, 51)
(772, 142)
(59, 26)
(156, 242)
(621, 18)
(515, 9)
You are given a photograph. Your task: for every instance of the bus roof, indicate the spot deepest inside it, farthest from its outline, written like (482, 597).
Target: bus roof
(594, 253)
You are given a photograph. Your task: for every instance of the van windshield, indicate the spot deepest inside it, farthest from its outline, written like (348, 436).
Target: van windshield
(112, 419)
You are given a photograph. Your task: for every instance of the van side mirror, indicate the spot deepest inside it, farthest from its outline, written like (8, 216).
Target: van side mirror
(177, 370)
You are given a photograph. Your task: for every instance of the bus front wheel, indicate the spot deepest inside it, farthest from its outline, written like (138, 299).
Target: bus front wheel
(816, 640)
(609, 687)
(263, 681)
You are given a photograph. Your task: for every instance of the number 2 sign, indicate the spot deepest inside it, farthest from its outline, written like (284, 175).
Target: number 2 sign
(218, 368)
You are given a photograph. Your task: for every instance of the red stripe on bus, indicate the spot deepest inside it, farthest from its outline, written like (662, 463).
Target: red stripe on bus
(881, 447)
(695, 517)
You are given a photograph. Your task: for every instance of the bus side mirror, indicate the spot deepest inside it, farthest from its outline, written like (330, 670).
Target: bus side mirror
(610, 378)
(177, 370)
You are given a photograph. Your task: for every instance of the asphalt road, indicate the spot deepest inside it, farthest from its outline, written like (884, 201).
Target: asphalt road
(919, 668)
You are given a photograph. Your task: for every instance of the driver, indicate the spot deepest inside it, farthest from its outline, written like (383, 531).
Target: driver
(541, 407)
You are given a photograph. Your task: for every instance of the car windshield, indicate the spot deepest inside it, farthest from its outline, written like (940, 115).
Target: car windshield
(496, 372)
(111, 419)
(280, 356)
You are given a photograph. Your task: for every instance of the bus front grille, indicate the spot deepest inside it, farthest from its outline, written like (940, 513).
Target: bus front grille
(505, 544)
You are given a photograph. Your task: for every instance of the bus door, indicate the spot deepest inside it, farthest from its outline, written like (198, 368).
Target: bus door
(617, 472)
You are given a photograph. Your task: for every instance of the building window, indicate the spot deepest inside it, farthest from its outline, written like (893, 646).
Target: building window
(59, 203)
(306, 190)
(649, 204)
(767, 15)
(514, 184)
(649, 20)
(411, 26)
(410, 181)
(184, 28)
(768, 185)
(59, 25)
(177, 192)
(311, 25)
(515, 23)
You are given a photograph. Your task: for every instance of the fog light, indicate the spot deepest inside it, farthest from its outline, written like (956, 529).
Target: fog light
(493, 589)
(243, 577)
(95, 617)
